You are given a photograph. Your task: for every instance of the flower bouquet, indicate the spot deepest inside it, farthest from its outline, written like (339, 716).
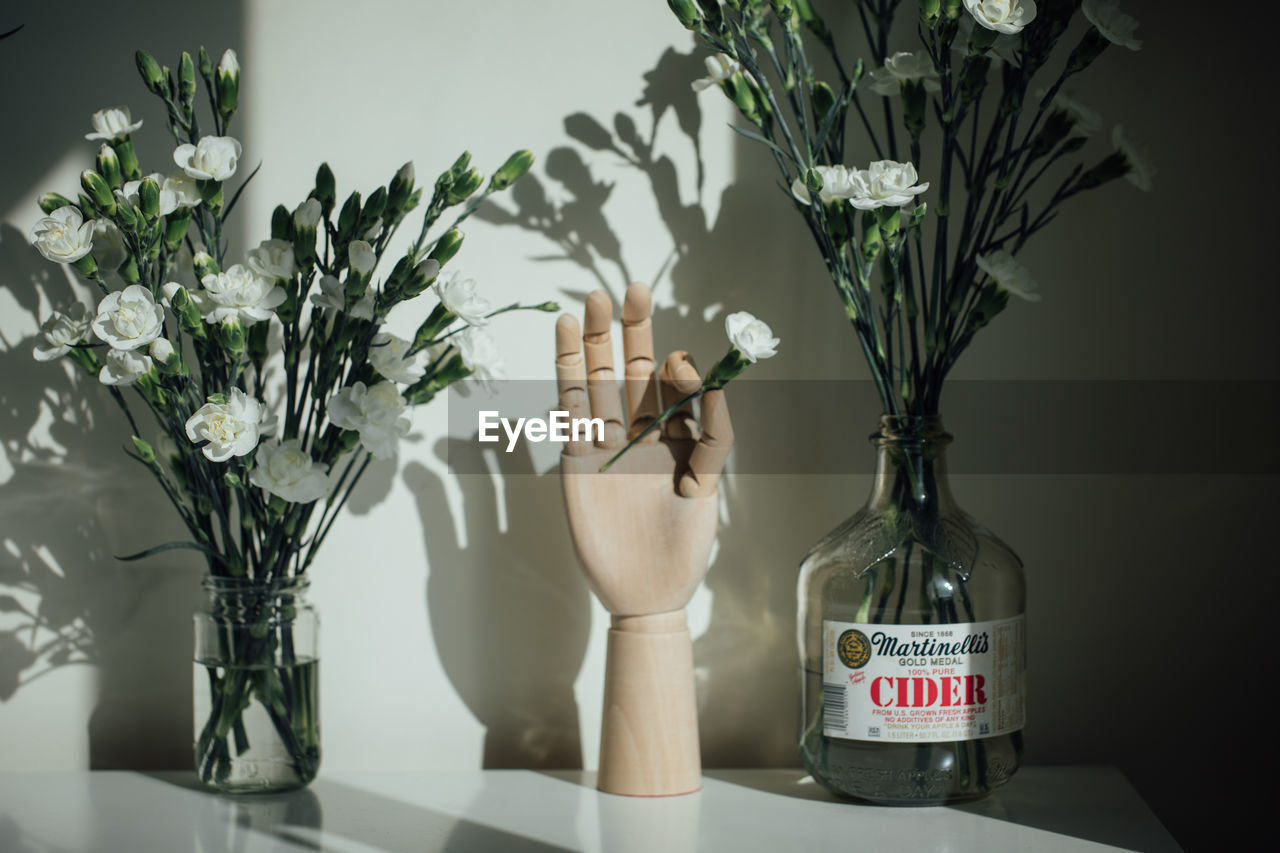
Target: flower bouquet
(268, 379)
(984, 97)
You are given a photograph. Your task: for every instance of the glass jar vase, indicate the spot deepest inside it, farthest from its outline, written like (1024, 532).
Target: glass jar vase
(257, 725)
(912, 638)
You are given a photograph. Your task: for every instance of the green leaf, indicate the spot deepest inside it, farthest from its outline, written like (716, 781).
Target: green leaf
(755, 137)
(172, 546)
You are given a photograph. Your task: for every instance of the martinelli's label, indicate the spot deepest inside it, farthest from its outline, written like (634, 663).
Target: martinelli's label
(923, 683)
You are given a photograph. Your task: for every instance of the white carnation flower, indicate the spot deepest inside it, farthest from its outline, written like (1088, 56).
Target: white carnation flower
(1003, 16)
(183, 187)
(376, 412)
(286, 470)
(213, 158)
(272, 259)
(307, 214)
(63, 236)
(1141, 169)
(719, 68)
(238, 292)
(360, 257)
(904, 67)
(124, 367)
(1008, 274)
(112, 123)
(129, 319)
(750, 336)
(887, 183)
(62, 330)
(332, 295)
(459, 297)
(232, 428)
(1114, 25)
(480, 353)
(838, 182)
(389, 355)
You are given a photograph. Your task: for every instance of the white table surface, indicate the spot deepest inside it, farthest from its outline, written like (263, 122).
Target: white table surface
(1041, 809)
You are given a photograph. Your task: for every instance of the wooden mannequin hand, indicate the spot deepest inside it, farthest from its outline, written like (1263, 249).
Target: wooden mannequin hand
(643, 530)
(643, 533)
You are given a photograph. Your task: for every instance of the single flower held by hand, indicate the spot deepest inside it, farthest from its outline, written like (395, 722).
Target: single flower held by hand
(750, 336)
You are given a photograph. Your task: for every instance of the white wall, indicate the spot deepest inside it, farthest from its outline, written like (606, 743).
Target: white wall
(456, 631)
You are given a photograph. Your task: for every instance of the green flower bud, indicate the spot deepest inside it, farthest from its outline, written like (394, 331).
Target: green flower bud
(99, 191)
(149, 198)
(258, 343)
(464, 186)
(1090, 47)
(129, 167)
(951, 9)
(49, 202)
(824, 100)
(145, 451)
(783, 9)
(186, 84)
(724, 370)
(205, 63)
(813, 180)
(109, 166)
(348, 440)
(231, 335)
(460, 165)
(87, 267)
(511, 171)
(401, 189)
(281, 219)
(126, 215)
(929, 10)
(165, 356)
(129, 269)
(227, 84)
(349, 216)
(914, 102)
(687, 13)
(211, 194)
(204, 265)
(447, 246)
(549, 307)
(435, 323)
(325, 191)
(232, 479)
(154, 78)
(373, 209)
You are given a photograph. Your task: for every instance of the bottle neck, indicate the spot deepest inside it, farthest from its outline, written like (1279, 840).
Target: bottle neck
(911, 471)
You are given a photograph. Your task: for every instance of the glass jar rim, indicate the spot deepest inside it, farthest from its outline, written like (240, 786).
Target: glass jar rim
(229, 584)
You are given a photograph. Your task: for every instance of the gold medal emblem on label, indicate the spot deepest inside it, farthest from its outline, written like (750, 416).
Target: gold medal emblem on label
(853, 648)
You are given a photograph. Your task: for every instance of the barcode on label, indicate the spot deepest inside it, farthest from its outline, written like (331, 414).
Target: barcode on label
(835, 707)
